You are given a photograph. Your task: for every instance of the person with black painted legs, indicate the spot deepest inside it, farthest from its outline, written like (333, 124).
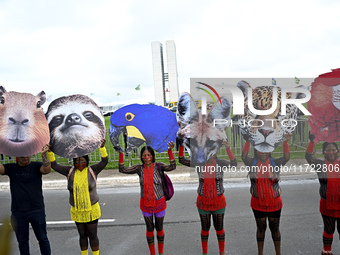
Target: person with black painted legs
(266, 201)
(211, 202)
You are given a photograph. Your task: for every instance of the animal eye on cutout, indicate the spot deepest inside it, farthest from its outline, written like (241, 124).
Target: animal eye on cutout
(2, 100)
(209, 143)
(88, 115)
(38, 104)
(129, 116)
(193, 143)
(56, 121)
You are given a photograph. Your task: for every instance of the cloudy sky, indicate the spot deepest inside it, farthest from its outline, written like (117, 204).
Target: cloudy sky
(102, 48)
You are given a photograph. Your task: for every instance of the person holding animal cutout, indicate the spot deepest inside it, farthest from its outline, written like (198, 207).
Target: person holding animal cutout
(23, 132)
(329, 179)
(27, 200)
(211, 199)
(203, 140)
(82, 185)
(152, 201)
(266, 202)
(324, 106)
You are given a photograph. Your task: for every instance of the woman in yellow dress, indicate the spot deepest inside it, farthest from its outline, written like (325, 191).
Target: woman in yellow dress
(82, 185)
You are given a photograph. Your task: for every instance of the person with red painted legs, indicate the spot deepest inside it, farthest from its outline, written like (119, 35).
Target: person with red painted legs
(152, 201)
(266, 201)
(210, 199)
(328, 171)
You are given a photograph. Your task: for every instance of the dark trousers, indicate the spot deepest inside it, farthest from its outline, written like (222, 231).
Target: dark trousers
(21, 221)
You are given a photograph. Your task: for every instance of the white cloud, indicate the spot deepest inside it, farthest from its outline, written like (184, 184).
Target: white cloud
(104, 47)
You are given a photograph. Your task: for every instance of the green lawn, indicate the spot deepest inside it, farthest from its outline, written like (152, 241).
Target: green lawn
(297, 150)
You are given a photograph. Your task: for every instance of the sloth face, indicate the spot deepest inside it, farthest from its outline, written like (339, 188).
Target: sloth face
(73, 120)
(76, 126)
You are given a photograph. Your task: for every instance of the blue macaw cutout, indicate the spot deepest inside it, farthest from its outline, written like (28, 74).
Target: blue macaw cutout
(150, 124)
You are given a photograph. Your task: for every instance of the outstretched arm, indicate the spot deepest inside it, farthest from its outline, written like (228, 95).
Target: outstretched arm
(233, 161)
(2, 169)
(309, 153)
(126, 170)
(97, 168)
(246, 159)
(172, 165)
(181, 158)
(286, 153)
(316, 163)
(64, 170)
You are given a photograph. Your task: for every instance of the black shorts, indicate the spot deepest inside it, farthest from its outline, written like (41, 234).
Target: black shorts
(260, 214)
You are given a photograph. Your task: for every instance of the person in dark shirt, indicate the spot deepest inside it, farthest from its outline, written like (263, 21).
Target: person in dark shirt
(210, 195)
(27, 200)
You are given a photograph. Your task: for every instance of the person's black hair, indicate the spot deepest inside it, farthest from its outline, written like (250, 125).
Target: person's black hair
(325, 144)
(149, 149)
(255, 154)
(86, 157)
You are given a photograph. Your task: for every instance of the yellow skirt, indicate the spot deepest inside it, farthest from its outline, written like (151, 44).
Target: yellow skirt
(86, 216)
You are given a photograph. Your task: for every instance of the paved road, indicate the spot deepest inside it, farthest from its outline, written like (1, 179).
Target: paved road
(123, 231)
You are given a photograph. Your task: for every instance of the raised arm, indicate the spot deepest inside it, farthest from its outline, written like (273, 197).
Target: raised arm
(172, 165)
(314, 162)
(64, 170)
(309, 155)
(97, 168)
(246, 159)
(127, 170)
(181, 157)
(233, 161)
(2, 169)
(286, 153)
(46, 167)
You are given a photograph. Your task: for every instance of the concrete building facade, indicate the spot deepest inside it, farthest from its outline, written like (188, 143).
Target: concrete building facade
(165, 83)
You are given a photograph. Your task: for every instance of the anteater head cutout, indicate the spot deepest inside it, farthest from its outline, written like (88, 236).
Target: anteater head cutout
(23, 126)
(76, 126)
(201, 137)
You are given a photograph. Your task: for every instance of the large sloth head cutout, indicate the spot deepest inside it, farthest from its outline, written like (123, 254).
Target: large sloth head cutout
(76, 126)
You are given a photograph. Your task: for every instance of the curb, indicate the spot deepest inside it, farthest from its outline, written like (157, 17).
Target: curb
(187, 177)
(183, 174)
(105, 182)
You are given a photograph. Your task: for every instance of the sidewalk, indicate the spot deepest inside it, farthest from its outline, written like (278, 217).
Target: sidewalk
(112, 178)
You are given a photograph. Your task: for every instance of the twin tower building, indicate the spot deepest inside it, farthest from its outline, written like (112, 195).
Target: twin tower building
(165, 73)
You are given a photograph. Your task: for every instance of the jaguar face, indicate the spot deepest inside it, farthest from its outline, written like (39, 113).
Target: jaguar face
(266, 132)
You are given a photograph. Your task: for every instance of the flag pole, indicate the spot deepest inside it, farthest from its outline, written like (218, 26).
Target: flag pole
(118, 94)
